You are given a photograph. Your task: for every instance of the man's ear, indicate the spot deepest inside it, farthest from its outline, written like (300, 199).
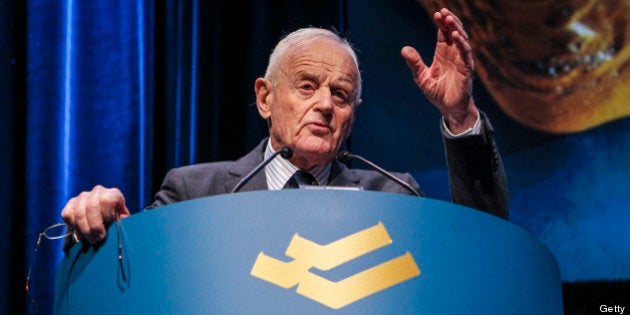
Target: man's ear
(262, 87)
(354, 115)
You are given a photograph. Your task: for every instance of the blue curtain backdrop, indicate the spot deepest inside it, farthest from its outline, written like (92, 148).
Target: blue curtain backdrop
(116, 92)
(88, 111)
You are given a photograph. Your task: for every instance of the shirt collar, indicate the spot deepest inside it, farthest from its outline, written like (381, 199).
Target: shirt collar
(279, 170)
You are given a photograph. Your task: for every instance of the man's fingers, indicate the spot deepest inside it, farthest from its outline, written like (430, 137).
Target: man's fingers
(91, 212)
(455, 26)
(465, 51)
(442, 34)
(68, 214)
(80, 223)
(96, 215)
(447, 24)
(113, 201)
(447, 13)
(414, 60)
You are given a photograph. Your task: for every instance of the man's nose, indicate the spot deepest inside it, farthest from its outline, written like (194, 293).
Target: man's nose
(325, 101)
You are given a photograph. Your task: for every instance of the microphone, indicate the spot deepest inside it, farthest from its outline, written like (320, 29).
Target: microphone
(345, 156)
(285, 152)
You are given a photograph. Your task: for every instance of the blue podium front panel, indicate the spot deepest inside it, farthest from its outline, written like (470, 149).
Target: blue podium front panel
(311, 252)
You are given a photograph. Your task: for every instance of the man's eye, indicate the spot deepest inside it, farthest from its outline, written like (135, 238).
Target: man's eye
(341, 95)
(307, 87)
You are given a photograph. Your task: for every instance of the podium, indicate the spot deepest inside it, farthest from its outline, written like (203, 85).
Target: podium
(311, 252)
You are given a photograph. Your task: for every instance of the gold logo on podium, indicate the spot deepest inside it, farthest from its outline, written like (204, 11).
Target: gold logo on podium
(307, 254)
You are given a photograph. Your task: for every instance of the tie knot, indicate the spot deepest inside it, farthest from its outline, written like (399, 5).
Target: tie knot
(301, 178)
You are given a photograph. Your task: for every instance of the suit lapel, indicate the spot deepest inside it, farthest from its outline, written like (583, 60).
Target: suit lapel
(341, 176)
(246, 164)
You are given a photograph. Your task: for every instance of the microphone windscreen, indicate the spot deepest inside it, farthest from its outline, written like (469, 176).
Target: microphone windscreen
(344, 156)
(286, 152)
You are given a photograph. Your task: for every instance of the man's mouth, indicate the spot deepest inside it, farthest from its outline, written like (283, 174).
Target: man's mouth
(319, 128)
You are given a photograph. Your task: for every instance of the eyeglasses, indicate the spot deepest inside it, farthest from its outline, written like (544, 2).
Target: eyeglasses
(59, 231)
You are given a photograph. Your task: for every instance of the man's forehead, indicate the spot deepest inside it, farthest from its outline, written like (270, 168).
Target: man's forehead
(323, 51)
(321, 65)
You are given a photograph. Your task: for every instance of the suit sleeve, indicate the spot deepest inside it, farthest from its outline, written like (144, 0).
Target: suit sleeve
(172, 190)
(477, 177)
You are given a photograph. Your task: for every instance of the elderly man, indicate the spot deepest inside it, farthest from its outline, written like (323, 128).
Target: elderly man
(309, 96)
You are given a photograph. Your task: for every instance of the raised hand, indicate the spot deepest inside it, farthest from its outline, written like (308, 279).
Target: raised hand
(447, 82)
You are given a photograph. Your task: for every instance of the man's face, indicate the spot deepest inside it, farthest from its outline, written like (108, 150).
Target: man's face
(311, 106)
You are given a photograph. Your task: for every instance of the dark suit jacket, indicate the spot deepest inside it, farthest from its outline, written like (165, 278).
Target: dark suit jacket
(477, 177)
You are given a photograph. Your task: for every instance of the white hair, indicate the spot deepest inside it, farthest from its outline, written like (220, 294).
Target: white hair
(304, 36)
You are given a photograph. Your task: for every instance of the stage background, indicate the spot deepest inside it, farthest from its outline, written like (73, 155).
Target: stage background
(117, 92)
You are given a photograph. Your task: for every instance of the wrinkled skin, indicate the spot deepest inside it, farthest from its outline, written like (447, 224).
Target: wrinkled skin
(312, 106)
